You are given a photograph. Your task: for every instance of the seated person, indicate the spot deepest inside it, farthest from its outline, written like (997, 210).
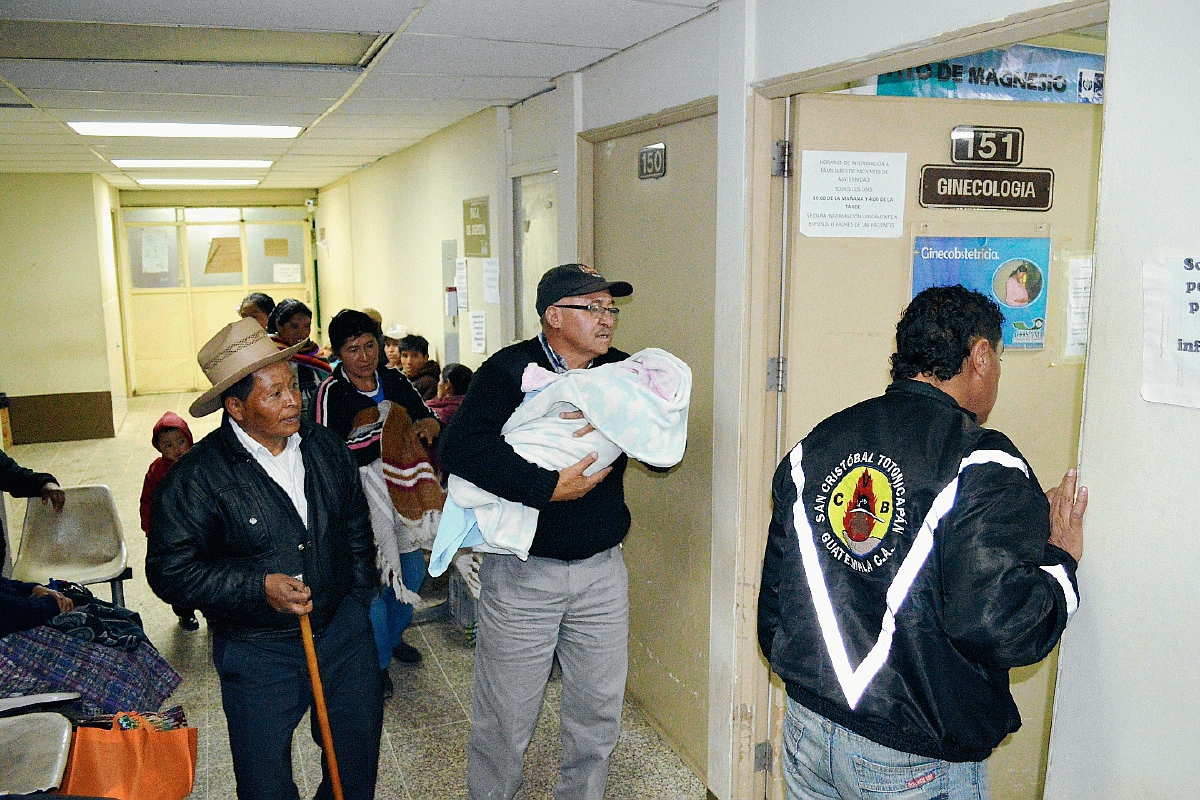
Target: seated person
(26, 605)
(37, 658)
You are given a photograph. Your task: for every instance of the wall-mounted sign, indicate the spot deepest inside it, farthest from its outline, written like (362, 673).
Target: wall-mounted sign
(973, 144)
(477, 239)
(1018, 72)
(1171, 331)
(652, 161)
(946, 186)
(1013, 271)
(847, 194)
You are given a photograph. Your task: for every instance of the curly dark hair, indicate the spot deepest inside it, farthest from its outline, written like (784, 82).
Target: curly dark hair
(935, 334)
(349, 324)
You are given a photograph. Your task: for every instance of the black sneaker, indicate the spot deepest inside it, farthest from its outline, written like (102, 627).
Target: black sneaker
(189, 623)
(406, 653)
(388, 688)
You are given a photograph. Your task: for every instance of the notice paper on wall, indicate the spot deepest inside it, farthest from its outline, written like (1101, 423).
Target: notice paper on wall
(451, 301)
(154, 250)
(1079, 304)
(1171, 331)
(478, 321)
(460, 282)
(845, 194)
(491, 280)
(287, 273)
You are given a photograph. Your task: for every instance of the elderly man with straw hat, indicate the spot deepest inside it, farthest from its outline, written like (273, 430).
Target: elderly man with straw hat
(264, 521)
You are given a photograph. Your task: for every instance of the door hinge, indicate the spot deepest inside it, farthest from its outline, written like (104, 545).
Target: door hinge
(781, 159)
(763, 755)
(776, 374)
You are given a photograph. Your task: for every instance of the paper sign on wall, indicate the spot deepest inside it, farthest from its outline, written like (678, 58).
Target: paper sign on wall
(451, 301)
(154, 251)
(460, 282)
(224, 255)
(845, 194)
(478, 331)
(1079, 305)
(1171, 331)
(491, 280)
(287, 273)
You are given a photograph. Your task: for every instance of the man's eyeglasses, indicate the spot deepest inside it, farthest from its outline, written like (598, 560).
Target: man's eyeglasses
(597, 310)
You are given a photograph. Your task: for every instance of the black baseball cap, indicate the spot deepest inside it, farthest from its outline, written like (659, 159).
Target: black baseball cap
(573, 280)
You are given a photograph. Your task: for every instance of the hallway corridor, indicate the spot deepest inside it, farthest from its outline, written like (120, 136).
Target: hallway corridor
(426, 723)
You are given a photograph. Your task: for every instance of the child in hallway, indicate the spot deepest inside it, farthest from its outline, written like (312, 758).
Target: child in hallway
(172, 438)
(451, 390)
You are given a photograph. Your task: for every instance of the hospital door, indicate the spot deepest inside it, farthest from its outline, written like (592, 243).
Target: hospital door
(845, 294)
(658, 233)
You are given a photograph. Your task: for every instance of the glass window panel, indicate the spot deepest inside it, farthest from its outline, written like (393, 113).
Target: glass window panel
(212, 214)
(273, 214)
(214, 254)
(154, 256)
(275, 253)
(149, 215)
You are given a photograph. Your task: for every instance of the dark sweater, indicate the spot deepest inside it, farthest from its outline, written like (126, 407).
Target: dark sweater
(20, 610)
(473, 448)
(19, 482)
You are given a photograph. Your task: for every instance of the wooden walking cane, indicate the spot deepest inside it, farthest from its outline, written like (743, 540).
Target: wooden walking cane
(314, 674)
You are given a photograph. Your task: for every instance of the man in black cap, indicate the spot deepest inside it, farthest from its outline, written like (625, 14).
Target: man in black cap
(571, 596)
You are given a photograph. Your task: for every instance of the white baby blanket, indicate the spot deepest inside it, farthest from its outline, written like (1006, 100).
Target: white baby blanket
(638, 406)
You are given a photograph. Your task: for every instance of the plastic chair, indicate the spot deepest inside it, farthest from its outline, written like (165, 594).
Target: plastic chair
(83, 543)
(35, 745)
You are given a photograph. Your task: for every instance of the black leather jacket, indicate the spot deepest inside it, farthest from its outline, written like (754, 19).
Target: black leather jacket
(220, 525)
(902, 514)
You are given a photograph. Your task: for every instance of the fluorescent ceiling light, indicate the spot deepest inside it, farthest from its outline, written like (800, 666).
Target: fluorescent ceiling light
(195, 182)
(190, 163)
(205, 130)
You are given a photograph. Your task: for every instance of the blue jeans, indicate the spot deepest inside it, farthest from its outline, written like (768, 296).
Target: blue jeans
(390, 617)
(821, 759)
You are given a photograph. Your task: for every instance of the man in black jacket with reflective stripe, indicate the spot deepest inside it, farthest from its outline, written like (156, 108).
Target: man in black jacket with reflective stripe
(912, 560)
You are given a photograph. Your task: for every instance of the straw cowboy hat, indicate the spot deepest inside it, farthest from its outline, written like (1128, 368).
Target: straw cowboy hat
(239, 349)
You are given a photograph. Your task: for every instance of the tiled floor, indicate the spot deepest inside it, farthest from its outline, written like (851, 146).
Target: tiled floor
(425, 725)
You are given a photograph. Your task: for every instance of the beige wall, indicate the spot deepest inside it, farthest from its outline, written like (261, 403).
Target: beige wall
(400, 209)
(106, 202)
(51, 293)
(1126, 708)
(335, 254)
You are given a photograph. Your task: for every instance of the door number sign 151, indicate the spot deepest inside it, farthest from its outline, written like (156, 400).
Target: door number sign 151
(970, 144)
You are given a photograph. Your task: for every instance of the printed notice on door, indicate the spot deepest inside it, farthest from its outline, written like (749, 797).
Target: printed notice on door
(1171, 337)
(845, 194)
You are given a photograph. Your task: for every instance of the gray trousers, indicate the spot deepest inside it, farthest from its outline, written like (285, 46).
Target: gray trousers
(528, 611)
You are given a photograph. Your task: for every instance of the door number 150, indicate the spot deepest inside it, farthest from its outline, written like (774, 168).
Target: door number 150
(970, 144)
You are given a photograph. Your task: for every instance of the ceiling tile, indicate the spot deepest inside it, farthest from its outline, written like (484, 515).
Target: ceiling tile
(213, 105)
(494, 89)
(434, 55)
(248, 81)
(612, 24)
(283, 15)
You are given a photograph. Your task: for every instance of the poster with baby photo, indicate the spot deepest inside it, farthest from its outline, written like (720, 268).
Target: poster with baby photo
(1013, 271)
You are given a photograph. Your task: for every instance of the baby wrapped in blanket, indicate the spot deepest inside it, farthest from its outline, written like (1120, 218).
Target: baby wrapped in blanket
(637, 406)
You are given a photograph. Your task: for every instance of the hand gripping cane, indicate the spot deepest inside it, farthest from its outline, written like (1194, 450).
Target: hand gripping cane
(310, 653)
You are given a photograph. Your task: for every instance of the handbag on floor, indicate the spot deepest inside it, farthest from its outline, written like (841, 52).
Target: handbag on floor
(132, 760)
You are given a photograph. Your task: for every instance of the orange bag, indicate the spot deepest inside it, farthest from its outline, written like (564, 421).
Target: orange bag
(141, 763)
